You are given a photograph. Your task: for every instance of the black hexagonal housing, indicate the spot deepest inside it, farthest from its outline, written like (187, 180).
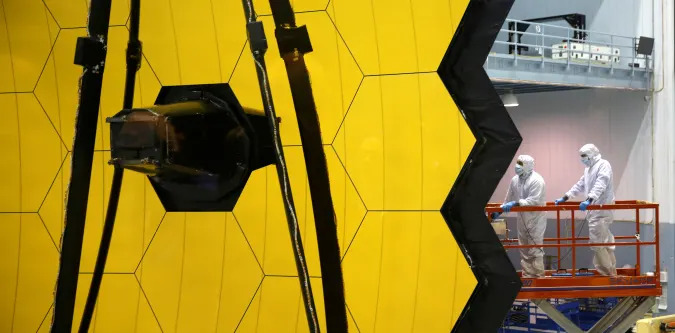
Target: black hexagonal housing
(197, 145)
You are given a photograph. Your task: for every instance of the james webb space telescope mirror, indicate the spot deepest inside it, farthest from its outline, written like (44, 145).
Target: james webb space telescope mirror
(197, 145)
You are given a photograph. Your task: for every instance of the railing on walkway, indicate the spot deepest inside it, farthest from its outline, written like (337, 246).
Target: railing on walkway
(558, 44)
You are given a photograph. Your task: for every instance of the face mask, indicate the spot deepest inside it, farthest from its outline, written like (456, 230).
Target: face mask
(519, 170)
(586, 161)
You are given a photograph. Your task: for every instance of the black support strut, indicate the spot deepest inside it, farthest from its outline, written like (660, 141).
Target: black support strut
(258, 45)
(133, 64)
(294, 42)
(90, 53)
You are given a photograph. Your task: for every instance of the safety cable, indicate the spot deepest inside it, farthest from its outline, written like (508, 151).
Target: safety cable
(557, 262)
(294, 42)
(89, 53)
(258, 45)
(133, 64)
(569, 251)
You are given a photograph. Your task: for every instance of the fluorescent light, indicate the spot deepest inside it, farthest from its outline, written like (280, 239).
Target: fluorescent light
(509, 100)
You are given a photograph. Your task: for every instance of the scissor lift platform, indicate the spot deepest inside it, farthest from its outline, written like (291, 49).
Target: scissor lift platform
(628, 282)
(638, 289)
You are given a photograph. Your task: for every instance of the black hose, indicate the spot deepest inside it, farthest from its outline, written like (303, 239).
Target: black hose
(258, 46)
(133, 64)
(106, 237)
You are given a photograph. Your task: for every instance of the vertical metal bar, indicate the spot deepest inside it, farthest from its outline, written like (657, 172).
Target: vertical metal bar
(611, 51)
(637, 248)
(543, 51)
(632, 59)
(569, 49)
(657, 274)
(574, 248)
(558, 225)
(516, 41)
(590, 56)
(510, 35)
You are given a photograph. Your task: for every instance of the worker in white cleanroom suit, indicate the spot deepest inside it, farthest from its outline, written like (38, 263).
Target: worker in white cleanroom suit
(596, 185)
(527, 188)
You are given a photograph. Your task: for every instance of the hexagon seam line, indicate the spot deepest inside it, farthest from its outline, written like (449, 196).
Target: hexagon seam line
(241, 53)
(145, 251)
(262, 270)
(44, 319)
(152, 69)
(85, 27)
(401, 73)
(63, 162)
(147, 300)
(56, 247)
(50, 121)
(343, 40)
(352, 316)
(44, 66)
(349, 107)
(350, 179)
(262, 278)
(354, 237)
(52, 14)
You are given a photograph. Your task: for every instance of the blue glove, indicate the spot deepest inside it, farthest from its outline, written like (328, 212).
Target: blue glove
(507, 206)
(585, 204)
(494, 215)
(561, 200)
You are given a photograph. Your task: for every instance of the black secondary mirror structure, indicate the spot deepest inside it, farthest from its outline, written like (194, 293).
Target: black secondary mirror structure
(197, 145)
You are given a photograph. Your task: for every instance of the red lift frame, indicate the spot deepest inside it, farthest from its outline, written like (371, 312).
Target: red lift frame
(629, 282)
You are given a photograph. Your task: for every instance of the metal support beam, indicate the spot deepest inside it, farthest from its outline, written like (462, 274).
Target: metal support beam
(556, 316)
(634, 316)
(622, 320)
(617, 320)
(613, 314)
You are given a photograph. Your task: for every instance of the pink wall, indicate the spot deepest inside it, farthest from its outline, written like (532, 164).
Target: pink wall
(555, 125)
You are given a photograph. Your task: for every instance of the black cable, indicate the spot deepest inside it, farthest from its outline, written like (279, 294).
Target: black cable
(106, 237)
(258, 44)
(90, 53)
(133, 64)
(570, 250)
(294, 42)
(557, 262)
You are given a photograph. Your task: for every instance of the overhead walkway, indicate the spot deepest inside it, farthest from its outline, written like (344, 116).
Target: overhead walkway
(550, 58)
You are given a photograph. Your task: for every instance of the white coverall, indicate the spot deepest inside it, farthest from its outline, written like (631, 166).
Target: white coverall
(528, 189)
(596, 184)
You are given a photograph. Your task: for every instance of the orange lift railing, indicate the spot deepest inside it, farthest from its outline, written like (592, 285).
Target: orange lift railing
(628, 282)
